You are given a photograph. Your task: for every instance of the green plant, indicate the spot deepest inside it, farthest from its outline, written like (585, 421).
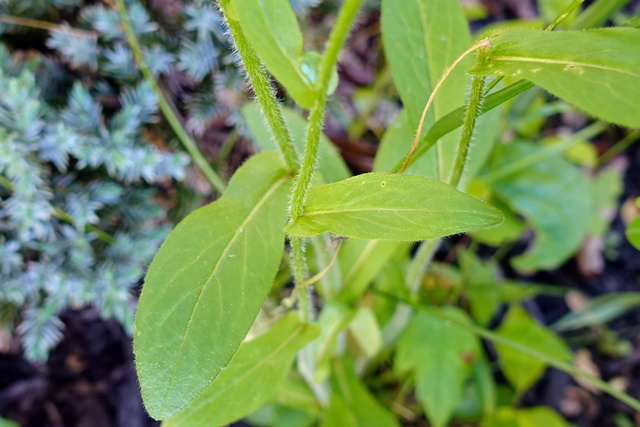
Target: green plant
(210, 279)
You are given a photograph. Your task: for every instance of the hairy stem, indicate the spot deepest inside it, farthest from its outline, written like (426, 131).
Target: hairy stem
(264, 92)
(469, 123)
(328, 62)
(316, 118)
(188, 143)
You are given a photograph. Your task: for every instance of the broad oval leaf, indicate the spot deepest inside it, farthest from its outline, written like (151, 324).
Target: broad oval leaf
(422, 39)
(390, 206)
(272, 29)
(251, 379)
(206, 285)
(598, 71)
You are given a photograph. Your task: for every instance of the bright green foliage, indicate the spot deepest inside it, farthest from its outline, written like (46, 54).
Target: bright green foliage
(272, 29)
(362, 260)
(422, 38)
(391, 207)
(550, 9)
(599, 310)
(441, 355)
(201, 289)
(351, 404)
(523, 370)
(259, 365)
(530, 417)
(483, 290)
(595, 70)
(331, 165)
(633, 230)
(553, 195)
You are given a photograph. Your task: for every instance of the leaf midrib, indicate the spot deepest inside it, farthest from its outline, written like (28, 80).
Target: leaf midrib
(564, 63)
(237, 233)
(339, 211)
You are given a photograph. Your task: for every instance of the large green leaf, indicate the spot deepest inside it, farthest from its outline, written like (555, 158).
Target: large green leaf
(553, 195)
(596, 70)
(391, 207)
(523, 370)
(529, 417)
(422, 38)
(330, 163)
(206, 285)
(251, 379)
(352, 404)
(272, 29)
(441, 355)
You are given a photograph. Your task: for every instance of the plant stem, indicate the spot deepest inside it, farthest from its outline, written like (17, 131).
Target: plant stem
(597, 14)
(494, 337)
(328, 62)
(188, 143)
(619, 147)
(469, 123)
(299, 264)
(264, 92)
(47, 26)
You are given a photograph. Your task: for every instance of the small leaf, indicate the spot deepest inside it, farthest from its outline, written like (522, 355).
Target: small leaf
(272, 29)
(355, 402)
(251, 379)
(529, 417)
(598, 70)
(441, 355)
(366, 332)
(207, 284)
(523, 370)
(599, 310)
(633, 232)
(553, 195)
(391, 207)
(482, 288)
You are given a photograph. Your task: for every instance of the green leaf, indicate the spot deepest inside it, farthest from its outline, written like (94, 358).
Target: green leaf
(529, 417)
(598, 71)
(441, 355)
(522, 370)
(354, 405)
(391, 207)
(599, 310)
(272, 29)
(551, 9)
(606, 189)
(251, 379)
(7, 423)
(483, 291)
(422, 39)
(633, 232)
(207, 284)
(361, 261)
(553, 195)
(366, 332)
(330, 163)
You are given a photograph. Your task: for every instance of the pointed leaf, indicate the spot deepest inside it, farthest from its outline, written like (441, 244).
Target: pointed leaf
(391, 207)
(272, 29)
(422, 39)
(599, 310)
(523, 370)
(251, 379)
(207, 284)
(633, 232)
(441, 355)
(598, 71)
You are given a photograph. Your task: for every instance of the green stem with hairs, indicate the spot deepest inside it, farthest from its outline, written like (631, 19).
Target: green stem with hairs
(264, 92)
(328, 62)
(469, 123)
(188, 143)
